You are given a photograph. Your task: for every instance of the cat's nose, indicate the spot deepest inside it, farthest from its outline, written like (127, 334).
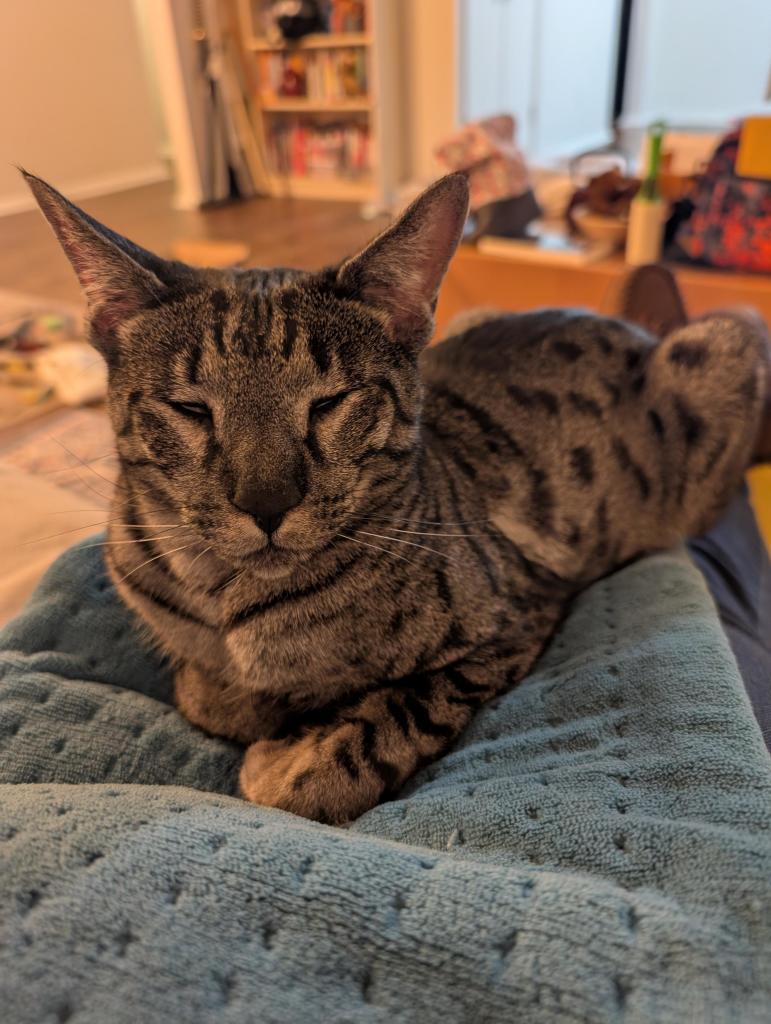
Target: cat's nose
(268, 505)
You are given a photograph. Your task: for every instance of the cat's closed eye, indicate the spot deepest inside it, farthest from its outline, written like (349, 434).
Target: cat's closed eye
(322, 406)
(193, 410)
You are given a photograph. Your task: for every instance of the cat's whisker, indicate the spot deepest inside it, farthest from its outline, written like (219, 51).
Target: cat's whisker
(163, 554)
(73, 511)
(426, 533)
(63, 533)
(365, 490)
(377, 547)
(106, 522)
(83, 462)
(228, 581)
(428, 522)
(68, 469)
(87, 465)
(150, 526)
(105, 497)
(137, 540)
(200, 555)
(409, 543)
(130, 489)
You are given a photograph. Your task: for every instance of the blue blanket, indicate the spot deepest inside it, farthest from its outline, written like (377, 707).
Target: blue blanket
(595, 848)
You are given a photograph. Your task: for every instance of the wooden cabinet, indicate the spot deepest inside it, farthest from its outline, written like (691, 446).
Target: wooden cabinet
(478, 279)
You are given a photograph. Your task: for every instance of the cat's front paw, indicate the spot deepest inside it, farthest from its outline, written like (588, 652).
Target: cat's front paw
(216, 707)
(315, 776)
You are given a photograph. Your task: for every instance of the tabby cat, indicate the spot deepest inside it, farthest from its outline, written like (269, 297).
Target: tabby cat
(347, 542)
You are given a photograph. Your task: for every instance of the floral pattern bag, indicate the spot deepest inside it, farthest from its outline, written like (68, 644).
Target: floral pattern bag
(730, 226)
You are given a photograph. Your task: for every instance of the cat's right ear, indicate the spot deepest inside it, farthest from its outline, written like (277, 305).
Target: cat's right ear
(399, 273)
(118, 278)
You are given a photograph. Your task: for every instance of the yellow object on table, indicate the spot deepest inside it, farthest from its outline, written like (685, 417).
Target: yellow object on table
(759, 479)
(753, 159)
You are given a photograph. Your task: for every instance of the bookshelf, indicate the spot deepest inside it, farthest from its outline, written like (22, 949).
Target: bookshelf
(324, 108)
(302, 105)
(318, 41)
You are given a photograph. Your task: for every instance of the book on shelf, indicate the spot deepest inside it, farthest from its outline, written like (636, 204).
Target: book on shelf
(308, 149)
(341, 16)
(347, 16)
(329, 75)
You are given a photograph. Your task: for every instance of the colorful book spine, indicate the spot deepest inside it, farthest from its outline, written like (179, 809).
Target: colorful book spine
(347, 16)
(326, 75)
(307, 149)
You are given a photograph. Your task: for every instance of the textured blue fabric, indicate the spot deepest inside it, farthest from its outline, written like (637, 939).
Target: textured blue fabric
(595, 848)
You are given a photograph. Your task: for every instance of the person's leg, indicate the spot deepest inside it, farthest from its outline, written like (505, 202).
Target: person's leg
(732, 555)
(734, 560)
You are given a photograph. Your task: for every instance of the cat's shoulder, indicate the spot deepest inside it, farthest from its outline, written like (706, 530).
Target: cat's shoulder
(492, 340)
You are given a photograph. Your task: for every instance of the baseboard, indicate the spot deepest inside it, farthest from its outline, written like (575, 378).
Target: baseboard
(88, 188)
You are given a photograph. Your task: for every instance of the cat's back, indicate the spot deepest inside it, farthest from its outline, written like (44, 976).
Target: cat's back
(554, 343)
(546, 367)
(527, 408)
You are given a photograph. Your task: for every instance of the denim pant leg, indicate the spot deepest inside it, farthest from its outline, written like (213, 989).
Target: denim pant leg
(735, 564)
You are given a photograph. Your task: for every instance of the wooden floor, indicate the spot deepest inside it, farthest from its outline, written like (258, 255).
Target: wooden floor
(280, 232)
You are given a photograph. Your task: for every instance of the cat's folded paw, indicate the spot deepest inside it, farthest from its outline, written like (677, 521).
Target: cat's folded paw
(314, 776)
(214, 707)
(196, 697)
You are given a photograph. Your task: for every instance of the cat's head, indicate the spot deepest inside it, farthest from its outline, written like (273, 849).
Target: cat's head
(267, 408)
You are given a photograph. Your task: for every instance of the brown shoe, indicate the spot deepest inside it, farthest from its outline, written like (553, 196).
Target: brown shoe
(649, 296)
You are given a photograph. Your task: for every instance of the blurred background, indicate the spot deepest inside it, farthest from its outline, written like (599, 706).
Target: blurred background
(348, 100)
(234, 132)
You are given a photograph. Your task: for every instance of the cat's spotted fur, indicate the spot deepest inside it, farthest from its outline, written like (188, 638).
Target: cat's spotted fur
(432, 514)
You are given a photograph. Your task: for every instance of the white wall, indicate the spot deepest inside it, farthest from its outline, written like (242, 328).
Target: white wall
(574, 77)
(74, 102)
(429, 40)
(496, 54)
(697, 63)
(549, 62)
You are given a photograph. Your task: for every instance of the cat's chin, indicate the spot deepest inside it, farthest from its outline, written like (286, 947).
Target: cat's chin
(270, 563)
(272, 572)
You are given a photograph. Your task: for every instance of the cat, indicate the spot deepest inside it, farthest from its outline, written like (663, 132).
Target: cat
(347, 542)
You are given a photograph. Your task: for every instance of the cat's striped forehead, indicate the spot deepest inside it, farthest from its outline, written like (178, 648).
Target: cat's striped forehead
(261, 322)
(277, 329)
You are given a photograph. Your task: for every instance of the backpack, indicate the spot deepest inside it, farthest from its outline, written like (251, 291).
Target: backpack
(730, 226)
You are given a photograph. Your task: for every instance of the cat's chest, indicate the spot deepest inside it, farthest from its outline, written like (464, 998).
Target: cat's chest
(315, 652)
(378, 627)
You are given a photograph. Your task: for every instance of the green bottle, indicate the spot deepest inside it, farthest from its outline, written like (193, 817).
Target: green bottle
(648, 210)
(649, 188)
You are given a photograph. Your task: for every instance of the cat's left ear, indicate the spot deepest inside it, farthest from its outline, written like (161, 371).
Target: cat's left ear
(118, 278)
(399, 273)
